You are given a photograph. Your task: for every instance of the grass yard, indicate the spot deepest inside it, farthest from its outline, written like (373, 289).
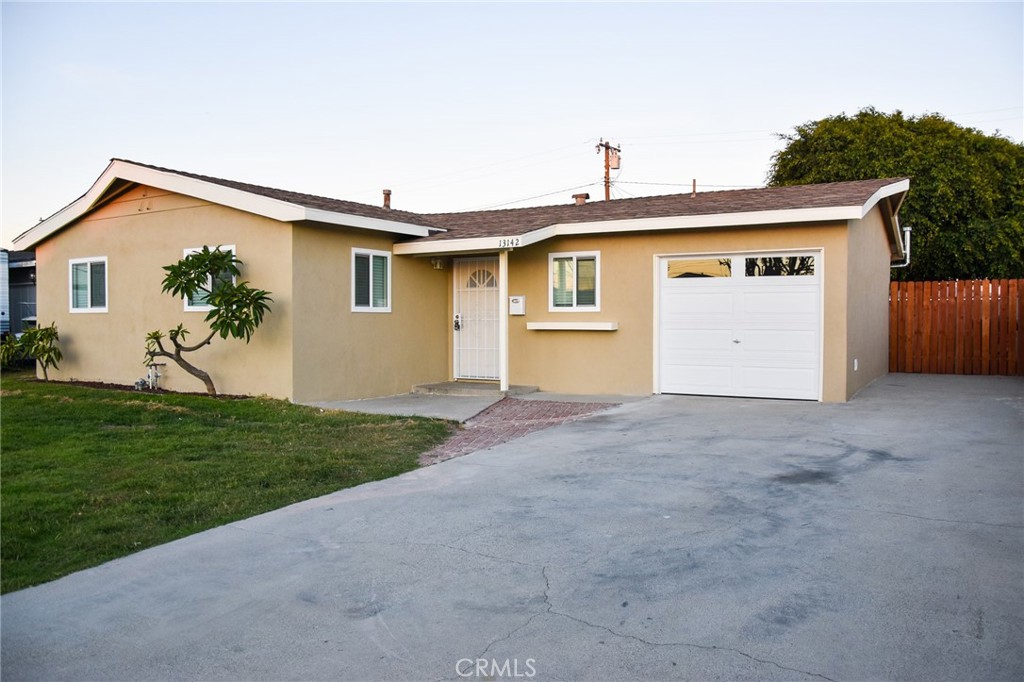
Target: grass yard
(91, 474)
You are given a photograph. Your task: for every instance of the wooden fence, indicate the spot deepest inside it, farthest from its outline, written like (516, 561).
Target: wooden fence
(960, 327)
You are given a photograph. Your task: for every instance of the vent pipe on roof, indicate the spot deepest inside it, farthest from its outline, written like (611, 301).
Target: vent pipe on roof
(693, 193)
(581, 198)
(387, 198)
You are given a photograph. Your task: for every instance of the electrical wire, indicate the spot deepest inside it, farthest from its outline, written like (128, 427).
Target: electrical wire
(538, 196)
(687, 184)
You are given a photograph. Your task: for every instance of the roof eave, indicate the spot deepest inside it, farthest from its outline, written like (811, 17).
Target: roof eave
(696, 222)
(892, 193)
(249, 202)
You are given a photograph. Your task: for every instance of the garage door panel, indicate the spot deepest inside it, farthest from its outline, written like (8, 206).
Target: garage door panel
(780, 342)
(700, 302)
(696, 340)
(780, 302)
(780, 382)
(698, 377)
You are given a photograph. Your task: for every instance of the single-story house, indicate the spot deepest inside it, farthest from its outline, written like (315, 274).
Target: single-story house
(776, 292)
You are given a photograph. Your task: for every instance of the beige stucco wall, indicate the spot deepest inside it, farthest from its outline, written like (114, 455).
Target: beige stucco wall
(340, 354)
(139, 233)
(868, 302)
(623, 361)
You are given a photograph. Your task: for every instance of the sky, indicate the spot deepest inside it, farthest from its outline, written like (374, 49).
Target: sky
(465, 106)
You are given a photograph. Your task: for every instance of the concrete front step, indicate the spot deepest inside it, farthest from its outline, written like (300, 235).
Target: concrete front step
(471, 388)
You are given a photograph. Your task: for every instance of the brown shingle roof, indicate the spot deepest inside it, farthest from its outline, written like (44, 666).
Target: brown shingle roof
(518, 221)
(301, 199)
(521, 220)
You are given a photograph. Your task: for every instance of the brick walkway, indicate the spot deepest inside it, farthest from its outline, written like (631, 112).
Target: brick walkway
(507, 420)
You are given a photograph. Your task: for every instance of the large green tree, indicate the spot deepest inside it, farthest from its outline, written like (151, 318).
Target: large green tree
(966, 200)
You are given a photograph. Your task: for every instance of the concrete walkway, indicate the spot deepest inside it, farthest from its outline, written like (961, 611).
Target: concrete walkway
(460, 408)
(676, 538)
(507, 420)
(452, 407)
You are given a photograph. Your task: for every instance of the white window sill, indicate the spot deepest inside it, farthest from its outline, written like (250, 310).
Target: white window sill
(573, 326)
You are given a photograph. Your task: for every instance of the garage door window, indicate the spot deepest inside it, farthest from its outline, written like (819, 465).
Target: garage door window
(780, 266)
(699, 267)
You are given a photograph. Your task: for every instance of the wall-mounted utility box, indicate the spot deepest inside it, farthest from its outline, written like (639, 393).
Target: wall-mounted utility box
(516, 305)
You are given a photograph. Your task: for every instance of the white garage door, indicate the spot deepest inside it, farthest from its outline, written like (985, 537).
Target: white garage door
(741, 325)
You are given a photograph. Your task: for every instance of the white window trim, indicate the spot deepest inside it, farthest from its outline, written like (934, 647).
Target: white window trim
(352, 278)
(106, 285)
(575, 255)
(188, 252)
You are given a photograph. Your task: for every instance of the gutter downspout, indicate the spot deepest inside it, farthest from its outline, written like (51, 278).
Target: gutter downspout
(906, 248)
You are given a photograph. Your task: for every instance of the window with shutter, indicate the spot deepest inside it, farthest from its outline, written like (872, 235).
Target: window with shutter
(88, 285)
(371, 281)
(575, 283)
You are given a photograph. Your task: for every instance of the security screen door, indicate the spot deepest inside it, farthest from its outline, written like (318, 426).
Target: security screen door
(476, 318)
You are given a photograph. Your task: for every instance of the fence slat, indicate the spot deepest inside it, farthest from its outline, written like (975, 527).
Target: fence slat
(957, 327)
(894, 325)
(1016, 312)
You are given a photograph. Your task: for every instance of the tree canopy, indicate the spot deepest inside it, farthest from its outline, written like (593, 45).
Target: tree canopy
(966, 200)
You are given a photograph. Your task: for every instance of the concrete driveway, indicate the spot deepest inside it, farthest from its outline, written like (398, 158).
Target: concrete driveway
(674, 538)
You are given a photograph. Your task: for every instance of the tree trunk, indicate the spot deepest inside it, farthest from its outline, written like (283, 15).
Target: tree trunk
(185, 364)
(197, 373)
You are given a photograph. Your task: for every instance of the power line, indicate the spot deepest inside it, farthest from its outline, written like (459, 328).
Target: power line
(685, 184)
(538, 196)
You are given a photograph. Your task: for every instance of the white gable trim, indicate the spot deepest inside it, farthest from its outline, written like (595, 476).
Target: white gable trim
(268, 207)
(695, 222)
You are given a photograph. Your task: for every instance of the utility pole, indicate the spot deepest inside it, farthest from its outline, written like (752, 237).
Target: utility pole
(611, 161)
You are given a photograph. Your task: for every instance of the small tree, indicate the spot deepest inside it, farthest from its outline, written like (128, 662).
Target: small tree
(236, 309)
(37, 343)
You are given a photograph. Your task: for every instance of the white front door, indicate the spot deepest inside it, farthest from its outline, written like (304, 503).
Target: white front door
(476, 306)
(741, 325)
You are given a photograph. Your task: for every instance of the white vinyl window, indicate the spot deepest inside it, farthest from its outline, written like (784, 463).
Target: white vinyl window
(87, 284)
(371, 281)
(198, 302)
(574, 282)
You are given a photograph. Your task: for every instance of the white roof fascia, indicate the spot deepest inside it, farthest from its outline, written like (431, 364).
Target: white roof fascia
(886, 191)
(694, 222)
(349, 220)
(633, 225)
(275, 209)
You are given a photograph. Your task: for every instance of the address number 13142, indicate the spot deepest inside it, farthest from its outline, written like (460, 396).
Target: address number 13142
(510, 242)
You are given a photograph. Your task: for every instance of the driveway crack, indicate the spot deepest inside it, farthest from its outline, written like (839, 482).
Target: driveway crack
(704, 647)
(547, 604)
(933, 518)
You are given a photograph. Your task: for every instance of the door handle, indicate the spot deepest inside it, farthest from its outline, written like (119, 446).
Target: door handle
(458, 322)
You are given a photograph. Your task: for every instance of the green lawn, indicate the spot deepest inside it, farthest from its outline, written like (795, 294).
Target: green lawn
(90, 474)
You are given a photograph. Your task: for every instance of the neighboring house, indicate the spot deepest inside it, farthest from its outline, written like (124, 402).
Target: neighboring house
(17, 291)
(779, 292)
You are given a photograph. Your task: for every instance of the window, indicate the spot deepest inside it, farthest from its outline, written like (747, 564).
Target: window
(198, 302)
(371, 281)
(776, 266)
(699, 267)
(574, 282)
(88, 285)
